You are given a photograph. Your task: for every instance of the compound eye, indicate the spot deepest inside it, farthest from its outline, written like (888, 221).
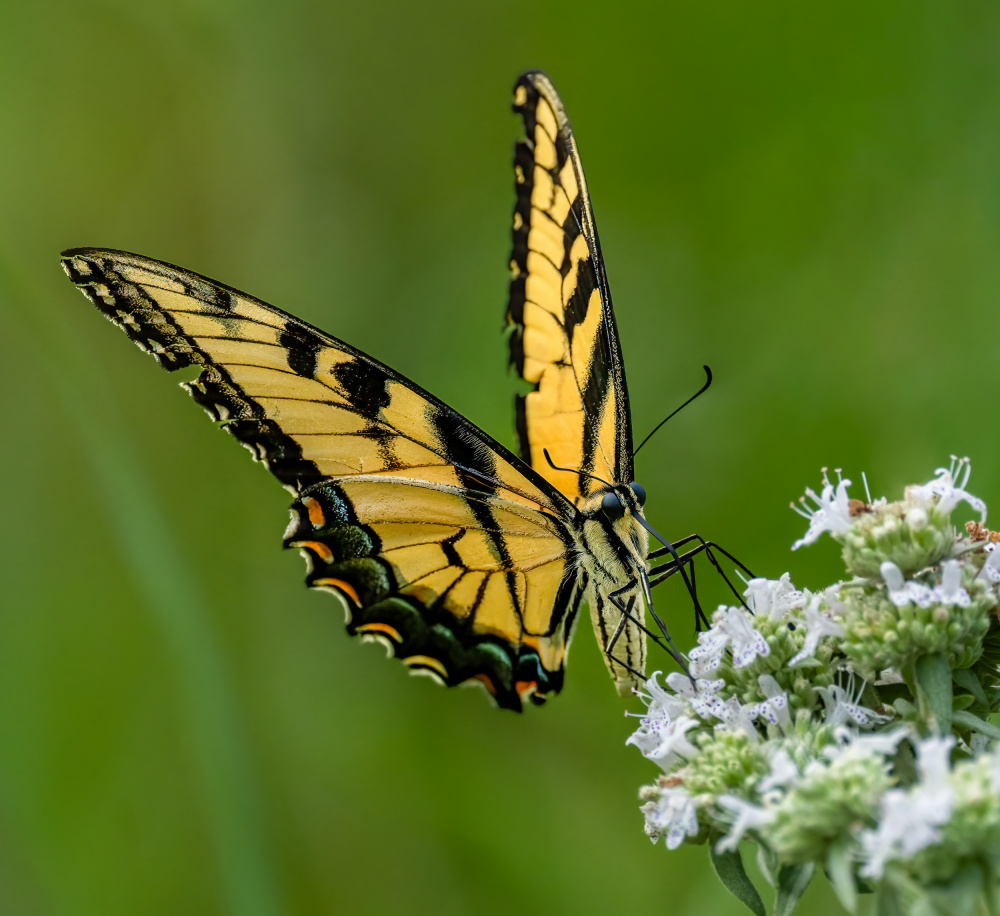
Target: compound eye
(612, 506)
(640, 493)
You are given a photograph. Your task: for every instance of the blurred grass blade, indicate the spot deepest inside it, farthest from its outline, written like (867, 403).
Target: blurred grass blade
(207, 698)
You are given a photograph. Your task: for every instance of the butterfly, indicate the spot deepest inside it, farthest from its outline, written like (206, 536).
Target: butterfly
(469, 563)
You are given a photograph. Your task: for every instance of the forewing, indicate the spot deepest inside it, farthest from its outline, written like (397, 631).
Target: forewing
(564, 340)
(383, 463)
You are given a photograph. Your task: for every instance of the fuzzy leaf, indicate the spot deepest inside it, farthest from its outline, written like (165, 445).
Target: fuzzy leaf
(729, 867)
(934, 691)
(962, 701)
(968, 720)
(887, 901)
(904, 708)
(967, 680)
(792, 880)
(890, 693)
(958, 897)
(767, 863)
(991, 889)
(841, 874)
(900, 895)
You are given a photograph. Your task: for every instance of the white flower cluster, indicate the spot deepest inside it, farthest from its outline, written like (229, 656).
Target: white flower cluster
(910, 819)
(700, 703)
(845, 728)
(833, 511)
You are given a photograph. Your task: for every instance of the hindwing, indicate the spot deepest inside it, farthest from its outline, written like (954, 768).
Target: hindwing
(564, 340)
(443, 545)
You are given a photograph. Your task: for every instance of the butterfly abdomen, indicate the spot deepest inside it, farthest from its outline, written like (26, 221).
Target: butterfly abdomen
(612, 554)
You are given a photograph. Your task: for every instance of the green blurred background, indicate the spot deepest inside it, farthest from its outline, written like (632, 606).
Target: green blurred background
(806, 197)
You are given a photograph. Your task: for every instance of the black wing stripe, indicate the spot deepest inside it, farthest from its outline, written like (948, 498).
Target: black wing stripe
(554, 237)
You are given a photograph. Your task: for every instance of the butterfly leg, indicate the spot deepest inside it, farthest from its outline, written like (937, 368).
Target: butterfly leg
(684, 564)
(709, 548)
(677, 566)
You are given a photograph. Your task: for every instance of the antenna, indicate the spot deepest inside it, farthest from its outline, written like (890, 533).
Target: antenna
(700, 391)
(545, 452)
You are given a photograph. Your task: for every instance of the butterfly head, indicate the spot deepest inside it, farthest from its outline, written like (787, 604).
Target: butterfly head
(622, 500)
(615, 515)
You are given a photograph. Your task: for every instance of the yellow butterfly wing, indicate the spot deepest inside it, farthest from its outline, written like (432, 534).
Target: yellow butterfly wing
(444, 546)
(564, 339)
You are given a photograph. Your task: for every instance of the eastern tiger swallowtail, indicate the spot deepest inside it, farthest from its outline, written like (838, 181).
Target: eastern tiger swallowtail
(468, 562)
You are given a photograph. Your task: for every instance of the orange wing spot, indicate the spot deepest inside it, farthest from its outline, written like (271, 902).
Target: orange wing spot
(523, 688)
(341, 585)
(318, 548)
(486, 682)
(382, 628)
(425, 661)
(315, 511)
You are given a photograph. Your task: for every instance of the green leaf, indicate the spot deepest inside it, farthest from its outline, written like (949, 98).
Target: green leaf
(887, 901)
(729, 867)
(962, 701)
(905, 708)
(958, 897)
(792, 880)
(900, 895)
(968, 720)
(904, 764)
(991, 888)
(933, 675)
(767, 862)
(841, 874)
(890, 693)
(870, 696)
(968, 681)
(864, 885)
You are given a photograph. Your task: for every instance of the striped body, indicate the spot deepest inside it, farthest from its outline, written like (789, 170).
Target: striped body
(612, 553)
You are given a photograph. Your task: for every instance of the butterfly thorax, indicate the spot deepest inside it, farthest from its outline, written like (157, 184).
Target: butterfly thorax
(613, 550)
